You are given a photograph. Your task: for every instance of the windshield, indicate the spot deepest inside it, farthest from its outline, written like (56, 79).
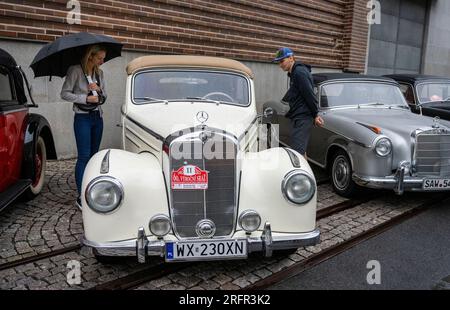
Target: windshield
(153, 86)
(431, 92)
(359, 93)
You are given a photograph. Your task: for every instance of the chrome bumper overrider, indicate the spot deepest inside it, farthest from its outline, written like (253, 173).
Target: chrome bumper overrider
(141, 247)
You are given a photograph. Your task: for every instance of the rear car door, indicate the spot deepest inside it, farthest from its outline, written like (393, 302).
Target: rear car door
(12, 130)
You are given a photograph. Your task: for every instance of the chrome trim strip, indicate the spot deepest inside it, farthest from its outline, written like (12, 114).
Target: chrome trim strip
(347, 138)
(104, 168)
(147, 130)
(13, 111)
(294, 158)
(248, 128)
(316, 163)
(131, 140)
(134, 133)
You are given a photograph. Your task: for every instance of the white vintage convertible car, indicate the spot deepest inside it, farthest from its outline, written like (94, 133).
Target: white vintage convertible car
(194, 181)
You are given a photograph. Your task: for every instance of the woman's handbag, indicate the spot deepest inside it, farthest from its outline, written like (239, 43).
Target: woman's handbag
(87, 107)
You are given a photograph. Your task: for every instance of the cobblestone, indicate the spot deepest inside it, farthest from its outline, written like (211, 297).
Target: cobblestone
(210, 285)
(189, 282)
(222, 279)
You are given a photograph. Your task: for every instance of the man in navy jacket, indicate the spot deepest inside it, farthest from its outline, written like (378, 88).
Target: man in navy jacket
(303, 111)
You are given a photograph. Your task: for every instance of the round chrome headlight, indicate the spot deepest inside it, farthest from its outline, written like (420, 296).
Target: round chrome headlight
(104, 194)
(249, 220)
(383, 147)
(159, 225)
(298, 187)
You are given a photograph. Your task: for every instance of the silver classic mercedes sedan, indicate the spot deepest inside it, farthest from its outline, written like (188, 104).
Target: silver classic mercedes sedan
(371, 138)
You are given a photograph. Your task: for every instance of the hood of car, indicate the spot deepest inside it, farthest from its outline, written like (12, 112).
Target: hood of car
(355, 123)
(167, 118)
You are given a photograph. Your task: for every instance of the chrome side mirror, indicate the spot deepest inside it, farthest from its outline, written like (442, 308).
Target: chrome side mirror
(268, 112)
(268, 115)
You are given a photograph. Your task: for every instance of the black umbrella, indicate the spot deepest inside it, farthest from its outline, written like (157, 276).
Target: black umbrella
(56, 57)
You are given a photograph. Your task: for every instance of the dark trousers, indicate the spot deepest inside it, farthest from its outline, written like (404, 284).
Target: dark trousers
(300, 132)
(88, 134)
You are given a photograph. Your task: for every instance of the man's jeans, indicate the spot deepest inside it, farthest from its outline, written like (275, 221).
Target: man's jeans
(300, 132)
(88, 129)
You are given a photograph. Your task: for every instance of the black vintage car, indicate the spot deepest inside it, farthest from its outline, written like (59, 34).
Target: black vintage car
(26, 140)
(426, 94)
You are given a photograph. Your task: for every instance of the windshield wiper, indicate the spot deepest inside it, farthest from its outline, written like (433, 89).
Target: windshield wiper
(400, 106)
(150, 99)
(370, 103)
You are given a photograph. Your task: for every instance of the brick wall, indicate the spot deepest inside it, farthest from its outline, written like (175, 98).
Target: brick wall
(355, 36)
(326, 33)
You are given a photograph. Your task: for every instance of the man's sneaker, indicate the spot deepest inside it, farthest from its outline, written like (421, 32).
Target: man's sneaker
(78, 203)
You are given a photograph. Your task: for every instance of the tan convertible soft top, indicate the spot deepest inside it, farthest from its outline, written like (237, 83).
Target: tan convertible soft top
(187, 61)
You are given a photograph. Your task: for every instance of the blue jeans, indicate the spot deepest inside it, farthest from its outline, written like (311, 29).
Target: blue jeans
(300, 131)
(88, 134)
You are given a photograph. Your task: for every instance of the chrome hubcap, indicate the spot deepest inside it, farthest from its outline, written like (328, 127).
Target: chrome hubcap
(341, 172)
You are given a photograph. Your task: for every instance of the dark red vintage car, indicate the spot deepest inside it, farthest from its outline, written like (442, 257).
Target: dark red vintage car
(26, 140)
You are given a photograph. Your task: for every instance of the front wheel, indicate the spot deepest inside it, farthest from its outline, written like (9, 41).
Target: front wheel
(341, 175)
(40, 162)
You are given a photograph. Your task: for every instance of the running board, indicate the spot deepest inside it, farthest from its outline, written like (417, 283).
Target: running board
(12, 192)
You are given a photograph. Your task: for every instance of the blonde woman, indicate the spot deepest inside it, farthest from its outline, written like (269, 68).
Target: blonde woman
(84, 85)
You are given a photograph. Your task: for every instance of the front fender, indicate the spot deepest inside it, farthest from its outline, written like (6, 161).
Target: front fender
(144, 195)
(262, 175)
(37, 125)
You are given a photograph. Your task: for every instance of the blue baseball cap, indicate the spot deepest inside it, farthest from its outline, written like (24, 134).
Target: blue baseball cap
(283, 53)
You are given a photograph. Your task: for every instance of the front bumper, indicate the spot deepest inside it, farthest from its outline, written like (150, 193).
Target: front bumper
(143, 247)
(398, 182)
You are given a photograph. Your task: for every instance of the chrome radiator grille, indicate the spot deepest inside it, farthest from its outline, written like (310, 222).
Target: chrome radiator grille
(218, 203)
(432, 154)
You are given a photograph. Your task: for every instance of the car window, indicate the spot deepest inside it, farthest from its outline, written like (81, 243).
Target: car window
(354, 93)
(5, 86)
(430, 92)
(408, 93)
(181, 85)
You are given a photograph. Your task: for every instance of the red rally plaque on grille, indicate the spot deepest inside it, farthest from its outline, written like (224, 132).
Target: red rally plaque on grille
(189, 177)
